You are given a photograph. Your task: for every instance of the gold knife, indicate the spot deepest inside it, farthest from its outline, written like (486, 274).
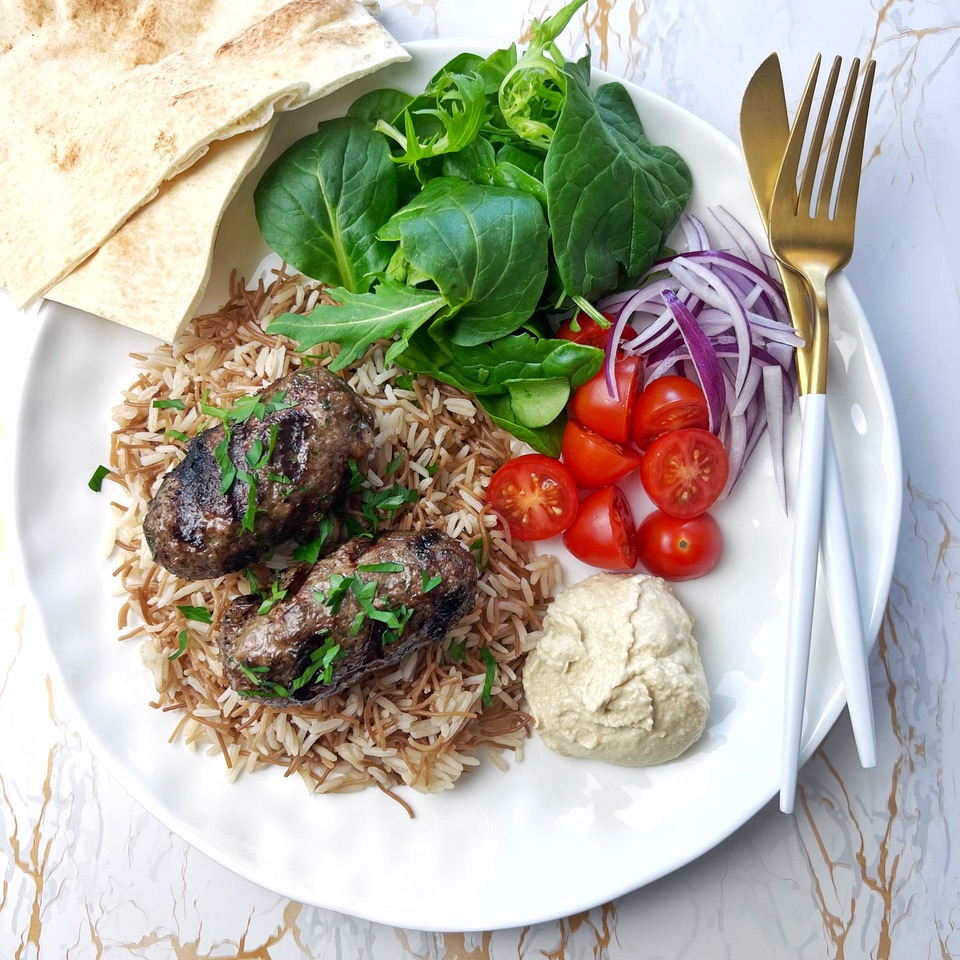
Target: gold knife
(764, 130)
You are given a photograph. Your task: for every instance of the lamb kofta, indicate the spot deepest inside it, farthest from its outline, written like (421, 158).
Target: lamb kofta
(269, 470)
(363, 607)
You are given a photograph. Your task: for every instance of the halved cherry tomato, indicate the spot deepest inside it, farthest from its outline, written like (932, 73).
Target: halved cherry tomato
(665, 404)
(679, 549)
(604, 534)
(684, 471)
(593, 460)
(588, 330)
(535, 495)
(611, 417)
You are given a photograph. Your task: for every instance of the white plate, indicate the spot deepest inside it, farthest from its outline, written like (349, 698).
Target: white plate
(552, 836)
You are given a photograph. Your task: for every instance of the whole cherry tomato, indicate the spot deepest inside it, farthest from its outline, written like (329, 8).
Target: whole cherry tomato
(581, 328)
(665, 404)
(684, 471)
(679, 549)
(535, 495)
(593, 460)
(603, 534)
(596, 408)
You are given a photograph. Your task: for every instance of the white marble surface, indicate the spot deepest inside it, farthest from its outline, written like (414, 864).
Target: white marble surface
(867, 865)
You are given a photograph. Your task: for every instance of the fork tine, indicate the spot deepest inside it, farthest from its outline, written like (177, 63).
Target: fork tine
(790, 164)
(853, 161)
(816, 140)
(825, 202)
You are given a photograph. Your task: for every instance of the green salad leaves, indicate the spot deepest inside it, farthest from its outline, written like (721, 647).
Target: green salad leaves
(457, 222)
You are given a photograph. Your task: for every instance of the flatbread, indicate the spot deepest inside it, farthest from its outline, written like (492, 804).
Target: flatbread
(104, 100)
(152, 273)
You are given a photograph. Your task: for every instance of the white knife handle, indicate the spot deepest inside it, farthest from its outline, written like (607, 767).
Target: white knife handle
(803, 581)
(843, 597)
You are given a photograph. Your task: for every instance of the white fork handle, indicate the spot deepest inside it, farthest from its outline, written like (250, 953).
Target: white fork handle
(843, 597)
(803, 582)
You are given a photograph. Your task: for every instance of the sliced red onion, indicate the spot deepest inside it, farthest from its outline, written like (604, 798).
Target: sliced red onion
(703, 356)
(726, 324)
(740, 237)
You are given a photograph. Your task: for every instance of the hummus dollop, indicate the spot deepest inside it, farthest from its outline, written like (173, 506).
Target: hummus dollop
(616, 673)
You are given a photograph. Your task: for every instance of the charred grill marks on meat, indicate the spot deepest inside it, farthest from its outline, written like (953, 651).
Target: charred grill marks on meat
(363, 607)
(249, 485)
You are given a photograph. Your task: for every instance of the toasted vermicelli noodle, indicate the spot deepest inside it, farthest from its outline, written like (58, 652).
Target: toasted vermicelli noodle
(421, 723)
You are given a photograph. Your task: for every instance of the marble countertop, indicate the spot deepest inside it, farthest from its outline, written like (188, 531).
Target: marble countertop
(866, 867)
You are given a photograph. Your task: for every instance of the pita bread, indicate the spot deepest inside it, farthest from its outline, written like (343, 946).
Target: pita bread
(104, 100)
(152, 273)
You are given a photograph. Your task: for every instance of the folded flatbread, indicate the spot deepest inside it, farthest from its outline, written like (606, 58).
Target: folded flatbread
(152, 273)
(104, 101)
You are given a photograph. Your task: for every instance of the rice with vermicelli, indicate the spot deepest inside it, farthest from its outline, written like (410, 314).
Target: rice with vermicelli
(420, 724)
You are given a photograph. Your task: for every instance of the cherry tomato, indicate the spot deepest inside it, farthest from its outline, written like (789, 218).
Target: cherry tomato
(593, 460)
(604, 534)
(684, 471)
(535, 495)
(590, 332)
(679, 549)
(611, 417)
(668, 403)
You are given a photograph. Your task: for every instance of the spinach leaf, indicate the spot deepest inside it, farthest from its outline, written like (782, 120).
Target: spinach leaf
(320, 204)
(476, 162)
(485, 249)
(386, 104)
(545, 440)
(616, 209)
(390, 308)
(490, 368)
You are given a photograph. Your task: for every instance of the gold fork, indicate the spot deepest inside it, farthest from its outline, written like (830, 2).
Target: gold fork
(816, 245)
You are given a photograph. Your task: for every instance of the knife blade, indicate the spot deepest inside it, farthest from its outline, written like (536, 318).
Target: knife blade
(764, 130)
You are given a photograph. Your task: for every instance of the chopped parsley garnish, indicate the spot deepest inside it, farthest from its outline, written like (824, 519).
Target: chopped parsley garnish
(177, 435)
(429, 583)
(252, 580)
(168, 404)
(458, 651)
(310, 552)
(365, 592)
(228, 471)
(356, 480)
(485, 697)
(270, 600)
(395, 464)
(387, 567)
(251, 511)
(432, 469)
(182, 639)
(198, 614)
(95, 483)
(480, 553)
(320, 668)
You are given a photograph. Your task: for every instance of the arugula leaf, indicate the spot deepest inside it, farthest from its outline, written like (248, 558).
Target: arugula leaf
(320, 204)
(390, 308)
(616, 211)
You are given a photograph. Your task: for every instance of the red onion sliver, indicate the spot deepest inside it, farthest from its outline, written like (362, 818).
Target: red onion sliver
(703, 357)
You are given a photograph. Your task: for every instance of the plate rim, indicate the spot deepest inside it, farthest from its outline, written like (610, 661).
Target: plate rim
(133, 785)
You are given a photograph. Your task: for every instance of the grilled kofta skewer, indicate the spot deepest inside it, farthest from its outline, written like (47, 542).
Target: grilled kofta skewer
(362, 607)
(207, 519)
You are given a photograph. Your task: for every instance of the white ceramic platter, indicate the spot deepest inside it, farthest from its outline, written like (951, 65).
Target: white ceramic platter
(551, 836)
